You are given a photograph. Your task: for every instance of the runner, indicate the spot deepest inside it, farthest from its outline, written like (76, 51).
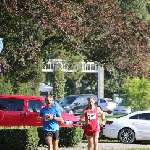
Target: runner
(92, 128)
(51, 115)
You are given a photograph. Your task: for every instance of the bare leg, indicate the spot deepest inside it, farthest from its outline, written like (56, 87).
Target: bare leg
(49, 142)
(95, 140)
(90, 142)
(55, 144)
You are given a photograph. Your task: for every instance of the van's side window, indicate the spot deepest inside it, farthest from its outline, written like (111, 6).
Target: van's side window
(11, 104)
(34, 105)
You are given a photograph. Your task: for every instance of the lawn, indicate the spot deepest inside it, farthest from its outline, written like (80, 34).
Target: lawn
(112, 116)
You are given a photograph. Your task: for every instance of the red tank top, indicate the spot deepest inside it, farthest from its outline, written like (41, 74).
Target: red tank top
(92, 117)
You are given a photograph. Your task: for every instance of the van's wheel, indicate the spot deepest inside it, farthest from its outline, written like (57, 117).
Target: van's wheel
(126, 136)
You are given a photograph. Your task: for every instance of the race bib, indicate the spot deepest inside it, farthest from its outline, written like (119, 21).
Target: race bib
(46, 118)
(91, 116)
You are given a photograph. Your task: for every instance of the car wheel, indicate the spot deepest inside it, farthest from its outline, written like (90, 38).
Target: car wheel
(126, 136)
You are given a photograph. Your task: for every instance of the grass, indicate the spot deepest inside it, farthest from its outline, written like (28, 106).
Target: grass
(110, 116)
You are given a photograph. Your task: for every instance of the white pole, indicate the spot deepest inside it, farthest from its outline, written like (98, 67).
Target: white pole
(98, 81)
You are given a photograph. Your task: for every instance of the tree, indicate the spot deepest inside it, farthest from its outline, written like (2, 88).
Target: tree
(139, 6)
(137, 93)
(115, 39)
(5, 86)
(96, 29)
(58, 83)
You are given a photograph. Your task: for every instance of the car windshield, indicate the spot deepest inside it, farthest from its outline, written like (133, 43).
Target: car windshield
(59, 106)
(68, 100)
(122, 103)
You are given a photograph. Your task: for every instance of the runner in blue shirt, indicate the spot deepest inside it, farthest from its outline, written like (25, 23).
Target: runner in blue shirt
(52, 115)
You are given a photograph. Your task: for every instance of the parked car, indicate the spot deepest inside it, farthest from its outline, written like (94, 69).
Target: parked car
(18, 110)
(129, 128)
(58, 100)
(107, 105)
(122, 109)
(63, 109)
(76, 102)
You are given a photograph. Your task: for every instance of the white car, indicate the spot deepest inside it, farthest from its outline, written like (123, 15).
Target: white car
(129, 128)
(121, 109)
(106, 104)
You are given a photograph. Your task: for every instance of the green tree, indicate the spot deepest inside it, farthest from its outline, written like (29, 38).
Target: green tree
(137, 93)
(95, 29)
(139, 6)
(5, 86)
(31, 86)
(58, 83)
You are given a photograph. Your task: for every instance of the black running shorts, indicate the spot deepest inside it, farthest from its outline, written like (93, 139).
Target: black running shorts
(53, 134)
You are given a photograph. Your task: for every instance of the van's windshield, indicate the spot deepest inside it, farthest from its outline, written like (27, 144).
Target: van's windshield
(61, 108)
(68, 100)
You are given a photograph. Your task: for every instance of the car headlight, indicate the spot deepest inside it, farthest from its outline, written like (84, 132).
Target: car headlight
(67, 122)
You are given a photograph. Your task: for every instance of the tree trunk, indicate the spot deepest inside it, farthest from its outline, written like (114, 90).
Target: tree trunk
(76, 87)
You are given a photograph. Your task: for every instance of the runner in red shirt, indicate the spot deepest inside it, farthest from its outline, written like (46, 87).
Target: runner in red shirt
(90, 118)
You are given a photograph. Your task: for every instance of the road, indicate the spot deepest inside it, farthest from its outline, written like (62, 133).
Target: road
(106, 146)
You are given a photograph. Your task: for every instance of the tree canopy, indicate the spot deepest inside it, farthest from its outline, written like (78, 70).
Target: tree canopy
(95, 30)
(137, 93)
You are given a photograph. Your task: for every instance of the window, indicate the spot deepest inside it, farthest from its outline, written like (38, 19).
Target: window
(102, 101)
(78, 101)
(143, 116)
(34, 105)
(68, 100)
(134, 117)
(11, 104)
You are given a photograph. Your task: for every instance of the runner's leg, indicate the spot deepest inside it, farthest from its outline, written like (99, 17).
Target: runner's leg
(95, 140)
(49, 142)
(55, 140)
(90, 142)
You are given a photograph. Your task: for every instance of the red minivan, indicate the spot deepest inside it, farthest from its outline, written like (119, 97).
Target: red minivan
(20, 110)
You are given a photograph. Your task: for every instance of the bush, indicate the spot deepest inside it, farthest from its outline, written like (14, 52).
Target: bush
(28, 138)
(18, 138)
(70, 136)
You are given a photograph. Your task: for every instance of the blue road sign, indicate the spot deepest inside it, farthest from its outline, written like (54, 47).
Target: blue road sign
(1, 44)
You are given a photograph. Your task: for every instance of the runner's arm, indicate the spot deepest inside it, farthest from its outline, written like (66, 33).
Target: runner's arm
(82, 117)
(102, 115)
(40, 115)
